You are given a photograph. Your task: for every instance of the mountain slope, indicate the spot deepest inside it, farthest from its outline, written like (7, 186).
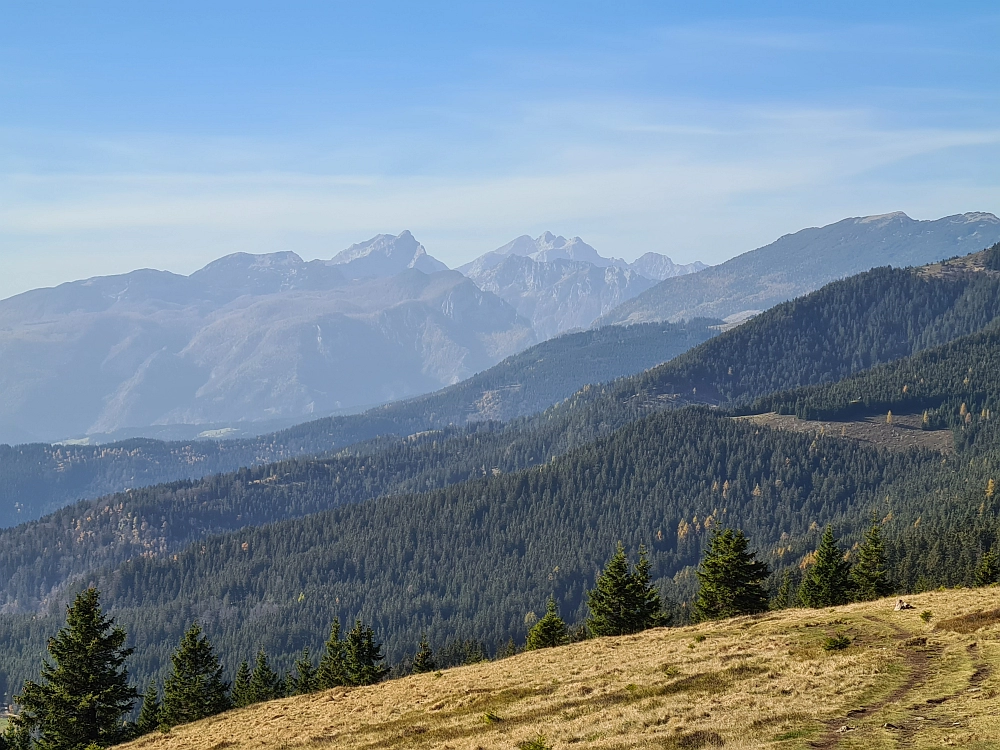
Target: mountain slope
(743, 683)
(804, 261)
(522, 510)
(561, 284)
(38, 479)
(247, 338)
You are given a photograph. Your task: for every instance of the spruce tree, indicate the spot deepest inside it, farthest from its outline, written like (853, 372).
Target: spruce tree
(149, 714)
(265, 683)
(85, 693)
(195, 688)
(332, 665)
(241, 695)
(624, 602)
(827, 582)
(549, 631)
(362, 656)
(870, 576)
(305, 680)
(784, 598)
(988, 570)
(424, 660)
(731, 578)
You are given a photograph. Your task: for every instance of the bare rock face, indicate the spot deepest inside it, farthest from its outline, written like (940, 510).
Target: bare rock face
(247, 338)
(563, 284)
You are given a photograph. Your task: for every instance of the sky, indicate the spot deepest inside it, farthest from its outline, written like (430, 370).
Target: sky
(167, 135)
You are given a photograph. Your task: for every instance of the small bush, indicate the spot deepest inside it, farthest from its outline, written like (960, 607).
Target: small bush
(926, 615)
(491, 718)
(539, 743)
(836, 642)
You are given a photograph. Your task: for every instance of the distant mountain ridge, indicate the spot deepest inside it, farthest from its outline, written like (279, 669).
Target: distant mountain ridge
(562, 284)
(802, 262)
(248, 337)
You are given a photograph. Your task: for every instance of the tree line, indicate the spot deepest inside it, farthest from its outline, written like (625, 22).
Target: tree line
(84, 699)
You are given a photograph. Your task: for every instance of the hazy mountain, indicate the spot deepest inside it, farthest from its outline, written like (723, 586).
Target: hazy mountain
(561, 284)
(801, 262)
(386, 255)
(246, 338)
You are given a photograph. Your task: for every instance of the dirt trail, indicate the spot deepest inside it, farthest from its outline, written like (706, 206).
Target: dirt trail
(918, 662)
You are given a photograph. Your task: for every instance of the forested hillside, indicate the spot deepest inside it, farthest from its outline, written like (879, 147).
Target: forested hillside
(843, 328)
(37, 479)
(466, 531)
(474, 559)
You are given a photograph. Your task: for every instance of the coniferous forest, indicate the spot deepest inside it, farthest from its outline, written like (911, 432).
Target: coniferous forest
(455, 544)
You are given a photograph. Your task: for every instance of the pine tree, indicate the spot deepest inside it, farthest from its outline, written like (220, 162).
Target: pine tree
(731, 578)
(549, 631)
(241, 695)
(149, 714)
(424, 660)
(988, 570)
(85, 694)
(195, 688)
(827, 582)
(363, 655)
(265, 684)
(305, 680)
(870, 576)
(624, 602)
(332, 666)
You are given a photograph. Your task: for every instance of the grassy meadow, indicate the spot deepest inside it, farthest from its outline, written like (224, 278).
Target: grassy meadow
(924, 677)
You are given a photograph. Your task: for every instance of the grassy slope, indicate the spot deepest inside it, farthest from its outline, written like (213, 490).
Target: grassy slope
(747, 682)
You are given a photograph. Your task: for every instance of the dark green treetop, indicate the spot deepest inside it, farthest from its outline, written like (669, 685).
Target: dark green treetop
(549, 631)
(241, 695)
(827, 582)
(623, 601)
(424, 659)
(988, 570)
(363, 655)
(195, 688)
(305, 679)
(731, 578)
(84, 694)
(870, 575)
(265, 684)
(332, 665)
(149, 714)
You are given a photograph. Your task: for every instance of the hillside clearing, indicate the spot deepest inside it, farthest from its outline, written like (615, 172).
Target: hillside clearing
(902, 434)
(905, 680)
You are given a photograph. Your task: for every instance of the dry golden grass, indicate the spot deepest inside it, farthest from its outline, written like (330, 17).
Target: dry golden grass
(743, 683)
(902, 434)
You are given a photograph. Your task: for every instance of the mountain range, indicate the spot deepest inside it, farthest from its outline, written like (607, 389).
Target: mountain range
(801, 262)
(253, 343)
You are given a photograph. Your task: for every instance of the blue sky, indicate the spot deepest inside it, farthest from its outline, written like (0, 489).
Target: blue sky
(141, 136)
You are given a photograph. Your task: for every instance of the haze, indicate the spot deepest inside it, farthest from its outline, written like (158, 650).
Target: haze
(133, 136)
